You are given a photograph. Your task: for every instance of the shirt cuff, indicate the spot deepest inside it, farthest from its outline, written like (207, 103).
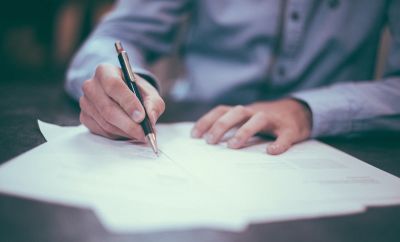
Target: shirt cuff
(148, 76)
(331, 111)
(99, 51)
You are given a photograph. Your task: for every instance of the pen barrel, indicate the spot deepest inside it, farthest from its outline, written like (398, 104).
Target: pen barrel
(146, 124)
(130, 82)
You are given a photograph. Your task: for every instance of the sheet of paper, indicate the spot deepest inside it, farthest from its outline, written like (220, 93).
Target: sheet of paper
(52, 132)
(182, 130)
(125, 184)
(193, 184)
(309, 174)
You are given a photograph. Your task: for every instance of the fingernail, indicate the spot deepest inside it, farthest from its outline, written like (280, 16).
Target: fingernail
(195, 133)
(233, 143)
(137, 116)
(209, 138)
(273, 149)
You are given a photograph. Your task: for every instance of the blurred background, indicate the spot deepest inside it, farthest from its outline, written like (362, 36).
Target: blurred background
(38, 38)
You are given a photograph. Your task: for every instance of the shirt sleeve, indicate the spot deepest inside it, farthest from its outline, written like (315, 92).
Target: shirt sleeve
(354, 107)
(146, 29)
(360, 105)
(363, 105)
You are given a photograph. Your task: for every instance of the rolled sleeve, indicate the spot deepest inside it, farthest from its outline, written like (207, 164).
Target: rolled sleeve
(147, 35)
(331, 112)
(94, 52)
(354, 107)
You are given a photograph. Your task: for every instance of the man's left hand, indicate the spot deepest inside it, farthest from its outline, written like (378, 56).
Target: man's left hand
(289, 120)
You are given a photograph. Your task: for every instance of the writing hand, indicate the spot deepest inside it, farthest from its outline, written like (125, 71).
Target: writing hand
(110, 109)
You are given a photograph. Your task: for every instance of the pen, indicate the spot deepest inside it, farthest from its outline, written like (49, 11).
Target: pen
(130, 81)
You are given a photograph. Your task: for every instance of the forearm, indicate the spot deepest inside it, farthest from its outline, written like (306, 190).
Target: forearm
(354, 107)
(145, 34)
(98, 50)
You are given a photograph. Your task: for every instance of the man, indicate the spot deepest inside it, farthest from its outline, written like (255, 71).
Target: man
(295, 69)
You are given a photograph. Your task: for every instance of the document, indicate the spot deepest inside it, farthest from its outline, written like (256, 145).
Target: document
(193, 184)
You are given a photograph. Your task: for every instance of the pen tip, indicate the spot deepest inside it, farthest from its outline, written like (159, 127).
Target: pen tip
(151, 138)
(118, 46)
(155, 149)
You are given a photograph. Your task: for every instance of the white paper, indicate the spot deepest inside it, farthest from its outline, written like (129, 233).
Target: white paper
(193, 184)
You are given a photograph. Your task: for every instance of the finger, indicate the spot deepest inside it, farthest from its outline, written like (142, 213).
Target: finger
(111, 112)
(205, 122)
(152, 101)
(283, 142)
(114, 86)
(94, 127)
(230, 119)
(88, 107)
(258, 122)
(155, 107)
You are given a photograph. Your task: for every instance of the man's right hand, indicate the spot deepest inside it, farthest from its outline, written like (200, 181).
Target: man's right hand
(110, 109)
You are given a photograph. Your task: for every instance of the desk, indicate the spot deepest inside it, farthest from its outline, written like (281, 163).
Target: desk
(27, 220)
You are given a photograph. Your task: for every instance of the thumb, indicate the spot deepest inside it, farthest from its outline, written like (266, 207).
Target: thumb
(283, 142)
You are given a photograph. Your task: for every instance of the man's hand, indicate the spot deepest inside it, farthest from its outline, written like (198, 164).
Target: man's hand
(288, 120)
(110, 109)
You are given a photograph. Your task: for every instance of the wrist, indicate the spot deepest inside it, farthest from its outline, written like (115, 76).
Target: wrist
(305, 113)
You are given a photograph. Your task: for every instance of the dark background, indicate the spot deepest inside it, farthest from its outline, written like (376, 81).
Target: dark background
(38, 38)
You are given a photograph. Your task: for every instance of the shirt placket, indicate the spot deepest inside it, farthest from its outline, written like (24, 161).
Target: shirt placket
(293, 24)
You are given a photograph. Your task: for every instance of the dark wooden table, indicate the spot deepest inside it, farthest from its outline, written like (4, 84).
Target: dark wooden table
(28, 220)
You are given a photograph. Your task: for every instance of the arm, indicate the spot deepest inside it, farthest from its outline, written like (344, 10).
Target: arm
(147, 30)
(108, 107)
(354, 107)
(362, 106)
(334, 110)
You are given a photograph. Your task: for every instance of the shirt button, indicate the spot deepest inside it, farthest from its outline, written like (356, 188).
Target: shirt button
(333, 3)
(281, 71)
(294, 16)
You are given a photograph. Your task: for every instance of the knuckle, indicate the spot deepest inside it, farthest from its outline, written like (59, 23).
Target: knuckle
(262, 116)
(82, 103)
(101, 68)
(241, 109)
(220, 124)
(221, 108)
(87, 87)
(160, 105)
(244, 132)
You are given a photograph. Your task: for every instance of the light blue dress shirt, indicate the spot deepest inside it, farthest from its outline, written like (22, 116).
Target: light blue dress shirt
(320, 51)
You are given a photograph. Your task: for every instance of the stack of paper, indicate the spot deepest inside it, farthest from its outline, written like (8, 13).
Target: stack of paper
(193, 184)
